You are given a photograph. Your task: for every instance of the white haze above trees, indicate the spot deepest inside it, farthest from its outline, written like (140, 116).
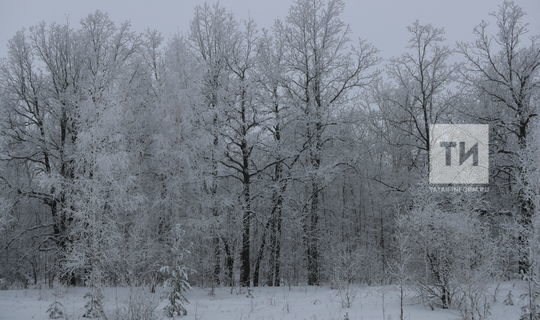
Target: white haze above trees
(244, 157)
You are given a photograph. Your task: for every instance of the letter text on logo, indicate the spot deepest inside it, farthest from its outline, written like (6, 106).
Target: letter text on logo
(459, 154)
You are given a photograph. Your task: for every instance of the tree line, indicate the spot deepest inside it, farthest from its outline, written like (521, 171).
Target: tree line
(250, 156)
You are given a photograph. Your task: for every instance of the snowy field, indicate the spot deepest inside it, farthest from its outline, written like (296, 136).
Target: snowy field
(313, 303)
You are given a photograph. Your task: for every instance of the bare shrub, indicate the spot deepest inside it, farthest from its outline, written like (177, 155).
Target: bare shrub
(473, 302)
(347, 294)
(140, 306)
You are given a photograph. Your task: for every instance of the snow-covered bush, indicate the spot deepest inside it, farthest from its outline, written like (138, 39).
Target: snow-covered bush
(56, 310)
(508, 300)
(345, 263)
(347, 294)
(176, 276)
(449, 249)
(176, 287)
(473, 302)
(94, 304)
(140, 306)
(3, 284)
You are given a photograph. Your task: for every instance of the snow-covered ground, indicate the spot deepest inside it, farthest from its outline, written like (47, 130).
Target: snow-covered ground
(310, 303)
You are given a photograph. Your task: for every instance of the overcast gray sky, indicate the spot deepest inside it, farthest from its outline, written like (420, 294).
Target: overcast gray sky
(382, 22)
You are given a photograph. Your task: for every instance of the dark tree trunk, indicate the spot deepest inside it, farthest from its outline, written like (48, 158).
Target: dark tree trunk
(277, 205)
(525, 206)
(229, 263)
(260, 254)
(312, 239)
(217, 261)
(275, 234)
(313, 267)
(246, 230)
(245, 269)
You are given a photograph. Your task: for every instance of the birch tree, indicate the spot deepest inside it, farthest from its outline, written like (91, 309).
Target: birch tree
(212, 30)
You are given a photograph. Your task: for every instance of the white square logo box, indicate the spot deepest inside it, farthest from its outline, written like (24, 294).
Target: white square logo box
(459, 154)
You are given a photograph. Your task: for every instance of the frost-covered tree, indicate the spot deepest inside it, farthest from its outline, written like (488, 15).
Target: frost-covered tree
(322, 72)
(211, 33)
(504, 68)
(280, 154)
(176, 283)
(421, 96)
(40, 110)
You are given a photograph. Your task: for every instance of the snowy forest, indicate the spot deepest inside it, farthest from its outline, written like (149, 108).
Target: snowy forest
(231, 160)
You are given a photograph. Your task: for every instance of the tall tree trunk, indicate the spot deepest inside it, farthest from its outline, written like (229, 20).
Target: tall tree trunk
(312, 239)
(277, 205)
(260, 254)
(244, 254)
(525, 207)
(275, 232)
(245, 269)
(217, 261)
(313, 235)
(313, 221)
(229, 262)
(213, 190)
